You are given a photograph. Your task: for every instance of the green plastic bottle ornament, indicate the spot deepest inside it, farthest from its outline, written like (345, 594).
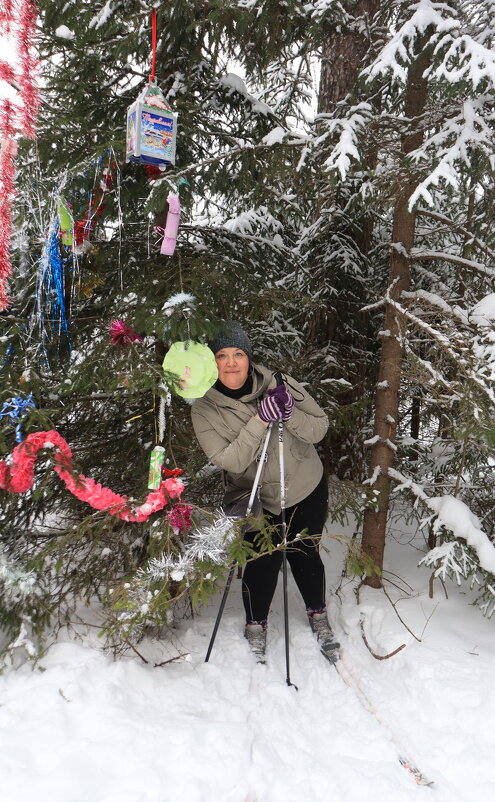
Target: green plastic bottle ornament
(192, 368)
(66, 221)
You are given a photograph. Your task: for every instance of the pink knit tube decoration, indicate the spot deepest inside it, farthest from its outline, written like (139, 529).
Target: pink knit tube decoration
(171, 226)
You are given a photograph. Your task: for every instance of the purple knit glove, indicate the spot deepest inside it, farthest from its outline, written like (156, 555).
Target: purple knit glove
(284, 399)
(269, 409)
(277, 405)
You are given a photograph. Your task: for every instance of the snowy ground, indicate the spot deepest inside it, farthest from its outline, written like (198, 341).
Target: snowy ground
(83, 728)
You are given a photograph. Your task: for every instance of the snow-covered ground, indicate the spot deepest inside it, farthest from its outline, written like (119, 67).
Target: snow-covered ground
(82, 727)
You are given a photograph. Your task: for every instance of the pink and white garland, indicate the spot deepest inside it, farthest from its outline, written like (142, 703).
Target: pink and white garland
(18, 22)
(19, 477)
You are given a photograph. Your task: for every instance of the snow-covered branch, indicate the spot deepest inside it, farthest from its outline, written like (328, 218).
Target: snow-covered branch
(468, 264)
(469, 131)
(454, 515)
(401, 49)
(454, 224)
(444, 343)
(349, 129)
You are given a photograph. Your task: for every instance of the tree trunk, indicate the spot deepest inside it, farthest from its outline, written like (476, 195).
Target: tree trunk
(344, 54)
(343, 57)
(389, 374)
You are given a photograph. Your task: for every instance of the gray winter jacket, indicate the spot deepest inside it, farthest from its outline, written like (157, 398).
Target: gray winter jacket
(232, 439)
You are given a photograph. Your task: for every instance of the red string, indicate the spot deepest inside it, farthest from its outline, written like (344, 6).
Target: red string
(153, 45)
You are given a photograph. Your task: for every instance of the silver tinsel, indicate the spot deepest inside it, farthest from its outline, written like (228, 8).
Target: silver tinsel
(207, 543)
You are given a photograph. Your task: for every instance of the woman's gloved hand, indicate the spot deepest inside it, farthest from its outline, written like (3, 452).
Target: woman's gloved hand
(277, 405)
(284, 398)
(270, 409)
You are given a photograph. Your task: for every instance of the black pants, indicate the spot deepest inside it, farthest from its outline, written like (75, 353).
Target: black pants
(260, 576)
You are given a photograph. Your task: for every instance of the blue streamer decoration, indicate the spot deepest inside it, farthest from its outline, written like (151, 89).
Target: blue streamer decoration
(50, 287)
(54, 281)
(14, 410)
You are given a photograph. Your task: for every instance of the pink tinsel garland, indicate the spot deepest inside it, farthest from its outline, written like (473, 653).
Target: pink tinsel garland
(17, 18)
(7, 169)
(19, 477)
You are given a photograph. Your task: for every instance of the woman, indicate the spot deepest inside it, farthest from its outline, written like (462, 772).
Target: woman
(230, 422)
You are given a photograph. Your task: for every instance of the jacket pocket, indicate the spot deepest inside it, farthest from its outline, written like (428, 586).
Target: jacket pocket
(299, 450)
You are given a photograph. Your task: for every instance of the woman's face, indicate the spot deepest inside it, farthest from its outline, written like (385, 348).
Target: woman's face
(233, 367)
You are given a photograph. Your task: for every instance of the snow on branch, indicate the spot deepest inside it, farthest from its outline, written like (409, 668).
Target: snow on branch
(455, 224)
(252, 221)
(400, 50)
(233, 83)
(436, 376)
(102, 16)
(349, 130)
(451, 559)
(444, 343)
(468, 264)
(454, 515)
(468, 131)
(465, 59)
(16, 581)
(438, 302)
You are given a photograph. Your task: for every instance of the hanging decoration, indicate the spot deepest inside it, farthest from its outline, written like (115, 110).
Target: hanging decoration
(192, 367)
(180, 518)
(50, 288)
(151, 123)
(19, 477)
(157, 459)
(58, 266)
(122, 334)
(14, 410)
(171, 226)
(66, 222)
(96, 205)
(17, 115)
(8, 149)
(209, 542)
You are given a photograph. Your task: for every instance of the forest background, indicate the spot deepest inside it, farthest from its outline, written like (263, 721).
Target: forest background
(336, 176)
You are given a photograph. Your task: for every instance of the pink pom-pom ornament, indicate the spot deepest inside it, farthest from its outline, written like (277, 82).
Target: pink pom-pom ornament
(122, 334)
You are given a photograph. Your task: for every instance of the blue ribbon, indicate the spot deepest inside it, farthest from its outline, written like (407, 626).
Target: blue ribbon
(14, 409)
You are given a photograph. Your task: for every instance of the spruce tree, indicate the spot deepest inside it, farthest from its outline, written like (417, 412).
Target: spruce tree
(235, 172)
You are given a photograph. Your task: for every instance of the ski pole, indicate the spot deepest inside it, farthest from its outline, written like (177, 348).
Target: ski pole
(233, 564)
(279, 380)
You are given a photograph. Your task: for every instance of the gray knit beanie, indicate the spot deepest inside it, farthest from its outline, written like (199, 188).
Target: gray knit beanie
(231, 335)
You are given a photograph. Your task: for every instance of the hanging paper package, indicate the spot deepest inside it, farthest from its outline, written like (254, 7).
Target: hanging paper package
(151, 129)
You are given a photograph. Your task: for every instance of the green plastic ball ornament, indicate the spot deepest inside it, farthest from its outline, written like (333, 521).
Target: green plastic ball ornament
(194, 367)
